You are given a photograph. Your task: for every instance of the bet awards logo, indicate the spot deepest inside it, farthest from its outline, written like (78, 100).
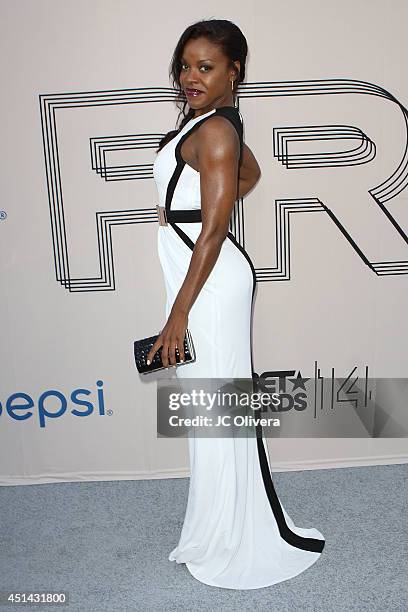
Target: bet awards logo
(291, 389)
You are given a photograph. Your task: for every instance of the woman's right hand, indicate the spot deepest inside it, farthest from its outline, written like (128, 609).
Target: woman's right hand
(170, 338)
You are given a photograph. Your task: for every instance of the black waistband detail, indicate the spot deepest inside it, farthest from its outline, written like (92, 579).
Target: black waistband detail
(184, 216)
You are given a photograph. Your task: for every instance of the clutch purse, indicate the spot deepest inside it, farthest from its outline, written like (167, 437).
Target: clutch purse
(142, 347)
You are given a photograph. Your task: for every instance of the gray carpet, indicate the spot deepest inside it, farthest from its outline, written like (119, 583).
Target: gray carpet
(106, 544)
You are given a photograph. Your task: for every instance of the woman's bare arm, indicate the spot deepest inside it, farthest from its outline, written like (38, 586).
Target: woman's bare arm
(218, 158)
(218, 151)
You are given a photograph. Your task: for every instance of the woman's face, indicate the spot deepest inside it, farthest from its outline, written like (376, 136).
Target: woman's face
(205, 76)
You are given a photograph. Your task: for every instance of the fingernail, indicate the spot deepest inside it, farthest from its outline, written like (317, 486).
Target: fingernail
(181, 360)
(148, 362)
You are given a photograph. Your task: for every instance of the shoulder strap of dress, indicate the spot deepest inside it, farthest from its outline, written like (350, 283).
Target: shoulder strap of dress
(230, 112)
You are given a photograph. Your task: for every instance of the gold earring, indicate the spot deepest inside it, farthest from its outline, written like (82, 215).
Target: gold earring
(233, 96)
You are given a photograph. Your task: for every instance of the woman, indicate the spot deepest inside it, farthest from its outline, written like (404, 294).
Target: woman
(236, 533)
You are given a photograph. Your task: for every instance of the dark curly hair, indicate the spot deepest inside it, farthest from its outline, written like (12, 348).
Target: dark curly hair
(232, 43)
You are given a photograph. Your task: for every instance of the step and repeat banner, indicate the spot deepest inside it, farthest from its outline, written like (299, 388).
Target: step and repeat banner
(86, 99)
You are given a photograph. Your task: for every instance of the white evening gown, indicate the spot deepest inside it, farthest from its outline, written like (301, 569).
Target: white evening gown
(236, 533)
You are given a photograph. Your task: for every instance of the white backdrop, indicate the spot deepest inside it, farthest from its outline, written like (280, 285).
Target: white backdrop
(86, 98)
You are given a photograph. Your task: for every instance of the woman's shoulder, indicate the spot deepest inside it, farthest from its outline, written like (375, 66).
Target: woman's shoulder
(216, 123)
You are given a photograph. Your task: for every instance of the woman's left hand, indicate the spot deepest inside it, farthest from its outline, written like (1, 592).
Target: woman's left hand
(171, 336)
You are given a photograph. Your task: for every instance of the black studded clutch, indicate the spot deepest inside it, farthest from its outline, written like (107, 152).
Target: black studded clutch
(142, 347)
